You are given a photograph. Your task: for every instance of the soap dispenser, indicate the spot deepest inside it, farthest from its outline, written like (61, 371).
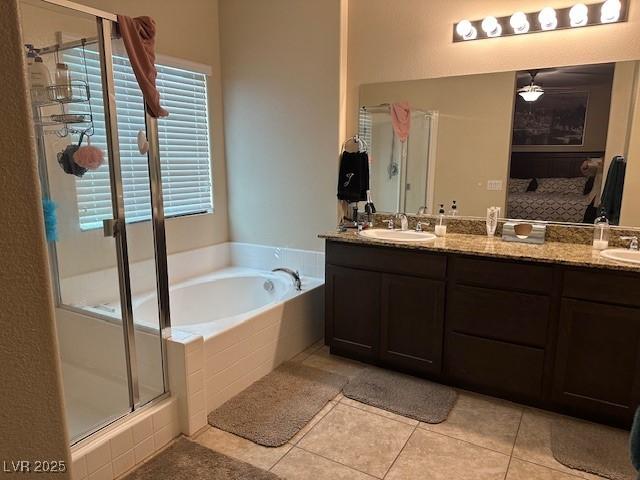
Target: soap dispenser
(454, 209)
(601, 230)
(441, 223)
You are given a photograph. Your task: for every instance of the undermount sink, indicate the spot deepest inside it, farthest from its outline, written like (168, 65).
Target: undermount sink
(397, 235)
(622, 255)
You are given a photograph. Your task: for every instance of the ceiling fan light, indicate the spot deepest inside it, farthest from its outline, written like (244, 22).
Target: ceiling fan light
(531, 93)
(579, 15)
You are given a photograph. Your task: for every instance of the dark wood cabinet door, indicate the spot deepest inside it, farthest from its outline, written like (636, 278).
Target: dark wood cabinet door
(352, 312)
(412, 319)
(597, 365)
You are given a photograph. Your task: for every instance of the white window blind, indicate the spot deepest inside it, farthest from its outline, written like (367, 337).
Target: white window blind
(183, 137)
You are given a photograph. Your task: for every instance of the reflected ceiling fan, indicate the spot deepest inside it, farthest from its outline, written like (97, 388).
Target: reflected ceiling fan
(531, 92)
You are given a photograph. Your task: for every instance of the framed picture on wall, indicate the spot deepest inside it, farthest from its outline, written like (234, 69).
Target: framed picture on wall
(555, 119)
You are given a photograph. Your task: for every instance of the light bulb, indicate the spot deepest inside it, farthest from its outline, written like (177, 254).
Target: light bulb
(519, 22)
(579, 15)
(548, 19)
(466, 30)
(491, 27)
(610, 11)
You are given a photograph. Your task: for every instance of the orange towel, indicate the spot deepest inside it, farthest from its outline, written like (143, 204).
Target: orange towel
(138, 35)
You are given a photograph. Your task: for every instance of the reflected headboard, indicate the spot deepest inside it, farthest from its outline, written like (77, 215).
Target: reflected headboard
(549, 164)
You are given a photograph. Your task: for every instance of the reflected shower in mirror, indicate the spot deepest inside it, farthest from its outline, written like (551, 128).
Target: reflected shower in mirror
(401, 169)
(554, 144)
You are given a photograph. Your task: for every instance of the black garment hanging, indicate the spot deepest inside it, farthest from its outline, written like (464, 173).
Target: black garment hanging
(353, 179)
(613, 187)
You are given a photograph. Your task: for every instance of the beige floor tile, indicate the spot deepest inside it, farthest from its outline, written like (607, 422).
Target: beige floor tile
(533, 443)
(308, 351)
(483, 421)
(302, 465)
(323, 360)
(355, 438)
(319, 416)
(519, 470)
(241, 449)
(378, 411)
(432, 456)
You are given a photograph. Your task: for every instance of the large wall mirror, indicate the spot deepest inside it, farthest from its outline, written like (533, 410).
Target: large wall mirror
(556, 144)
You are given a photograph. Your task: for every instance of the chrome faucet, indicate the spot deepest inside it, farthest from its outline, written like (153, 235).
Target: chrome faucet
(390, 224)
(404, 223)
(633, 242)
(420, 225)
(297, 282)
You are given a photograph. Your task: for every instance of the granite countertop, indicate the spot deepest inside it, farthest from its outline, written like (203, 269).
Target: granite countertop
(550, 252)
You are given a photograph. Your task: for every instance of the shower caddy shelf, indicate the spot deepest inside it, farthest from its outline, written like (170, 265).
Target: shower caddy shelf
(59, 95)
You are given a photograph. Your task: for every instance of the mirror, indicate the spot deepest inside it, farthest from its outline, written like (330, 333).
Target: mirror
(554, 144)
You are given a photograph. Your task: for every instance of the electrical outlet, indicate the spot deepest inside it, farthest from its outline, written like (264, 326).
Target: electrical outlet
(494, 185)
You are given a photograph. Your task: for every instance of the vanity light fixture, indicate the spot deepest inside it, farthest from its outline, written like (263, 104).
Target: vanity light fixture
(491, 27)
(519, 23)
(579, 15)
(548, 19)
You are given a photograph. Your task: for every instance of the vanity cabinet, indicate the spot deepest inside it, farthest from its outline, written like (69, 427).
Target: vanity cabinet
(560, 338)
(597, 371)
(385, 306)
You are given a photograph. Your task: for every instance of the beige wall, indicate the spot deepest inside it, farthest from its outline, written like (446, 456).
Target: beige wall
(281, 76)
(31, 410)
(474, 133)
(413, 40)
(630, 214)
(189, 33)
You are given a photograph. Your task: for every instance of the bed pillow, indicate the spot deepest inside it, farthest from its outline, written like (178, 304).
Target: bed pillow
(533, 185)
(519, 185)
(573, 186)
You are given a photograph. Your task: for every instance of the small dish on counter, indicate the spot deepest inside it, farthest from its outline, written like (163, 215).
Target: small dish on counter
(408, 236)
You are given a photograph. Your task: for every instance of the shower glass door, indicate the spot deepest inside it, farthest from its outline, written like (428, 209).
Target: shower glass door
(108, 253)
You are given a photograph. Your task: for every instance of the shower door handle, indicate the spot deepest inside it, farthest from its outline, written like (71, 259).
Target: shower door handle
(111, 227)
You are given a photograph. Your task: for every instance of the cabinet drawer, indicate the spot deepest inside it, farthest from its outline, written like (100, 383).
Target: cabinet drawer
(618, 287)
(503, 275)
(493, 366)
(499, 314)
(388, 260)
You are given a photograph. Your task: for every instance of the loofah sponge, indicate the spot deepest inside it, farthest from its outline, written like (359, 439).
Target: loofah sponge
(89, 157)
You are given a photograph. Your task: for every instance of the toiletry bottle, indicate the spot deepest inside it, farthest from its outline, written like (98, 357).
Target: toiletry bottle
(441, 223)
(601, 232)
(454, 209)
(63, 82)
(39, 78)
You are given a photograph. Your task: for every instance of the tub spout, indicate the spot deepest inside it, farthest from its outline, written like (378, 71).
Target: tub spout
(296, 276)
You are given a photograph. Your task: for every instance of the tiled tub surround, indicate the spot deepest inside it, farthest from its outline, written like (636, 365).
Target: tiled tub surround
(578, 255)
(205, 369)
(561, 233)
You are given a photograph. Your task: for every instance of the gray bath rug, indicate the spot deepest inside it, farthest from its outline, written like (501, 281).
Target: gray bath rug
(187, 460)
(403, 394)
(272, 410)
(592, 448)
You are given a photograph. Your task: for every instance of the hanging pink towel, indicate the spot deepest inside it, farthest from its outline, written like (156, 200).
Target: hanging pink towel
(401, 119)
(138, 35)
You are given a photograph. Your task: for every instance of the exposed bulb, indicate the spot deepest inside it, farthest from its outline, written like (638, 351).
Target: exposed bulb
(610, 11)
(548, 19)
(519, 22)
(491, 27)
(579, 15)
(466, 30)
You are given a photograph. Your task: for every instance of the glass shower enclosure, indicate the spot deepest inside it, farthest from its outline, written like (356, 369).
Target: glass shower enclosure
(103, 259)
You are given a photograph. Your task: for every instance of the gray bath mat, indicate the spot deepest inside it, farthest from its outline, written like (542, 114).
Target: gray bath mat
(187, 460)
(272, 410)
(592, 448)
(398, 393)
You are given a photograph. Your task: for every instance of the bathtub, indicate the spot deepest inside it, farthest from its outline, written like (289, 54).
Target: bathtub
(211, 304)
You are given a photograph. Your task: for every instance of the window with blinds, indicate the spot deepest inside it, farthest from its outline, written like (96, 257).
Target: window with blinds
(183, 137)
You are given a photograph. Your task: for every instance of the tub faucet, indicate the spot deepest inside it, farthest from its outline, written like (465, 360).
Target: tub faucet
(296, 276)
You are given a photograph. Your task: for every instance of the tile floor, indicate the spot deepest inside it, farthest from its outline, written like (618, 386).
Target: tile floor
(484, 438)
